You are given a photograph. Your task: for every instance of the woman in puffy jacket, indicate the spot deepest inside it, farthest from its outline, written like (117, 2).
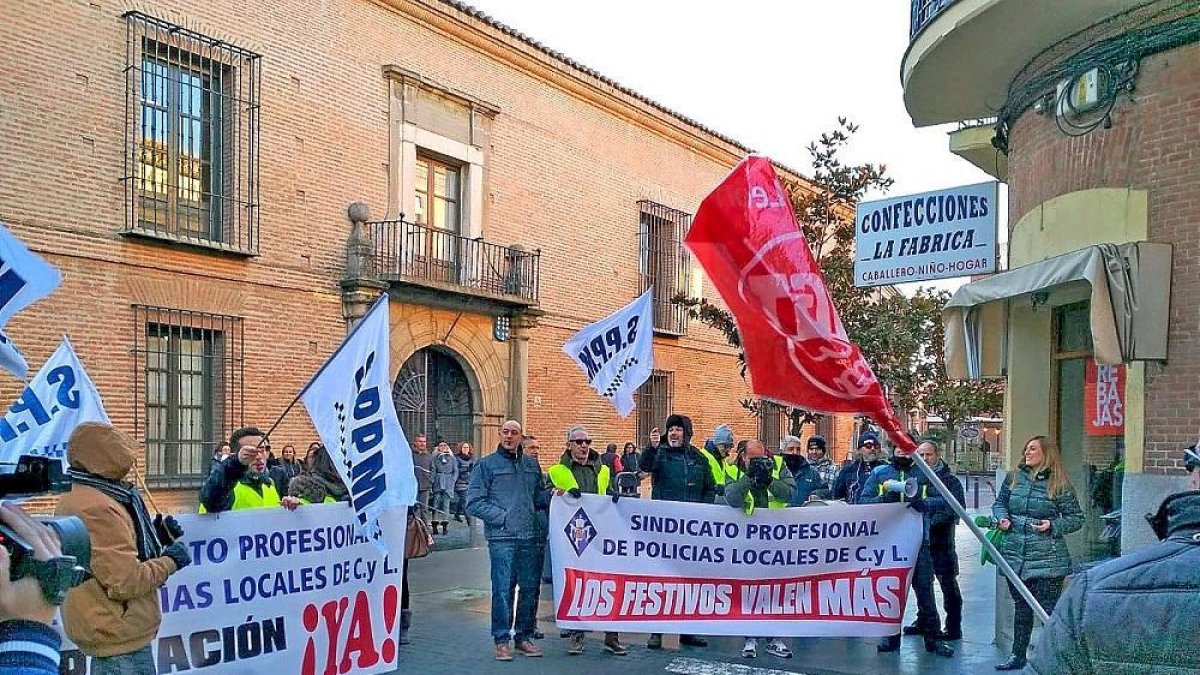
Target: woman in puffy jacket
(1037, 507)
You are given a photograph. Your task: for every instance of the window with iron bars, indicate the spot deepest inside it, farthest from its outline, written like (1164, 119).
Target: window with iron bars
(192, 137)
(665, 264)
(655, 400)
(188, 392)
(771, 422)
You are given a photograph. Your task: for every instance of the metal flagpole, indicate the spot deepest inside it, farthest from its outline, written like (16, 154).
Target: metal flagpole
(1000, 561)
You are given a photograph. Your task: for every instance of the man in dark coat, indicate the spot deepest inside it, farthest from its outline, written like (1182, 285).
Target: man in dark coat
(940, 521)
(851, 478)
(1136, 614)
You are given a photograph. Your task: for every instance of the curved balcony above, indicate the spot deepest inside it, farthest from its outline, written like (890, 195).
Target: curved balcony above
(963, 54)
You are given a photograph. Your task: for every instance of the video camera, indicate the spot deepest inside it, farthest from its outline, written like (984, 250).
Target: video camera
(29, 477)
(760, 470)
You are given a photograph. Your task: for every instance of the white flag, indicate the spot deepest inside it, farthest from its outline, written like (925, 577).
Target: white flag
(616, 353)
(350, 403)
(60, 397)
(25, 278)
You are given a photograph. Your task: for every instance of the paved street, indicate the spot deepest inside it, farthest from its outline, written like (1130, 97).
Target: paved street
(450, 633)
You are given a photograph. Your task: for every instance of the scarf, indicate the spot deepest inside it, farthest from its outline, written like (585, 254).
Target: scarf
(128, 496)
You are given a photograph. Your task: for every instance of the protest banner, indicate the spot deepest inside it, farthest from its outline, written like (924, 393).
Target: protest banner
(25, 278)
(616, 353)
(649, 566)
(60, 398)
(271, 590)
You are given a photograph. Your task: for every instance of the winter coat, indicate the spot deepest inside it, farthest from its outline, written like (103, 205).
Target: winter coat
(283, 472)
(231, 487)
(612, 460)
(850, 480)
(683, 474)
(115, 611)
(741, 493)
(445, 472)
(940, 519)
(629, 461)
(808, 482)
(828, 472)
(1032, 554)
(506, 492)
(591, 477)
(465, 465)
(423, 468)
(874, 492)
(28, 646)
(1136, 614)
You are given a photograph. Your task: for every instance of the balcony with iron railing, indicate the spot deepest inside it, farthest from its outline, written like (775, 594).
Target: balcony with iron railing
(414, 255)
(963, 54)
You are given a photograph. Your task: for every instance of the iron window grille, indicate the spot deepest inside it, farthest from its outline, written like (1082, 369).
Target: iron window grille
(655, 400)
(191, 170)
(188, 392)
(665, 264)
(771, 418)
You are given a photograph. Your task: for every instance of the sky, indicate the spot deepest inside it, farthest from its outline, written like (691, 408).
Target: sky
(771, 74)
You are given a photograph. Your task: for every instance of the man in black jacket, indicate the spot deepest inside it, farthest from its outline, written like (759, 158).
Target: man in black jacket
(940, 521)
(679, 472)
(1135, 614)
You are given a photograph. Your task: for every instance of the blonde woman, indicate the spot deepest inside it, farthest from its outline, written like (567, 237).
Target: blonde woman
(1038, 508)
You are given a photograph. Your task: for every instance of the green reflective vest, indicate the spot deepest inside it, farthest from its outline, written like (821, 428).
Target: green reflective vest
(246, 497)
(735, 472)
(328, 500)
(562, 478)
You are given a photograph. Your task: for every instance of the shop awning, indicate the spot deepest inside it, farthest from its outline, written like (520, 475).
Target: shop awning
(1130, 298)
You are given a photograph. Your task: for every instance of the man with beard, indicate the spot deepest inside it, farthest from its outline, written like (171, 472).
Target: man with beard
(679, 472)
(850, 480)
(809, 483)
(241, 480)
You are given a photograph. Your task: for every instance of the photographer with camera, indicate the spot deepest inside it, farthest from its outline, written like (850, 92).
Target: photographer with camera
(114, 615)
(760, 483)
(29, 645)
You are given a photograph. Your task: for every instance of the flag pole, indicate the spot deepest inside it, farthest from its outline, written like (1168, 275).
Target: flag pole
(1001, 563)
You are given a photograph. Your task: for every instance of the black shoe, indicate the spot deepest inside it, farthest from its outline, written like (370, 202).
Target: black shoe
(457, 518)
(539, 635)
(889, 644)
(914, 629)
(1014, 662)
(952, 634)
(565, 633)
(692, 641)
(938, 647)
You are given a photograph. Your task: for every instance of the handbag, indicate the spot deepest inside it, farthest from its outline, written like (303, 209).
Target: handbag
(417, 540)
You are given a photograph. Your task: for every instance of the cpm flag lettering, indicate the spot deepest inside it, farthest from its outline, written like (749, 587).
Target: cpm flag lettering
(60, 397)
(616, 353)
(25, 278)
(350, 403)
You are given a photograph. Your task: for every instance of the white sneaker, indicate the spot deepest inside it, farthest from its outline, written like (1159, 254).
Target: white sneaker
(750, 650)
(776, 647)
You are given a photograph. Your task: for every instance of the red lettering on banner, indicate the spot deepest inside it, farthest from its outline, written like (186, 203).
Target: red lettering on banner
(1104, 399)
(359, 650)
(874, 596)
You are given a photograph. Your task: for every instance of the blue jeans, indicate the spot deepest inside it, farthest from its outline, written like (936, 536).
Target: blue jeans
(515, 563)
(134, 663)
(441, 506)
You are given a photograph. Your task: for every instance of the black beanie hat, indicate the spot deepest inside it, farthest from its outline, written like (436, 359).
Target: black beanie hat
(817, 440)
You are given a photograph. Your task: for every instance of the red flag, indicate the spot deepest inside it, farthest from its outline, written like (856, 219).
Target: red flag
(746, 237)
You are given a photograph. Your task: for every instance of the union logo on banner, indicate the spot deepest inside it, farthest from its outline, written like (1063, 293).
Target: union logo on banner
(1104, 399)
(580, 531)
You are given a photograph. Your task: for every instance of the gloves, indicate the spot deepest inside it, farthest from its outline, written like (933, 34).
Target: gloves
(574, 492)
(167, 529)
(178, 552)
(918, 505)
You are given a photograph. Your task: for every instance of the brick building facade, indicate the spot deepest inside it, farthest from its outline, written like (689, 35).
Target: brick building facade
(190, 167)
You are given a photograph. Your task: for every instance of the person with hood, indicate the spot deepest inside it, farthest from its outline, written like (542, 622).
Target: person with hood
(320, 482)
(1136, 614)
(506, 492)
(241, 481)
(445, 474)
(761, 483)
(114, 615)
(809, 482)
(875, 491)
(679, 472)
(287, 468)
(851, 478)
(1038, 508)
(581, 471)
(466, 462)
(818, 455)
(940, 520)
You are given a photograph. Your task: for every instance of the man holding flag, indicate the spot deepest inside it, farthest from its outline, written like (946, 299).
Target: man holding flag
(241, 480)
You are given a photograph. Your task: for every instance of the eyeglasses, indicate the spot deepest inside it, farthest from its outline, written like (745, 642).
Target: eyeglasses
(581, 441)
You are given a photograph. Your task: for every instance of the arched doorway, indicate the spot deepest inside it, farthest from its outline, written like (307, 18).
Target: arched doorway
(433, 397)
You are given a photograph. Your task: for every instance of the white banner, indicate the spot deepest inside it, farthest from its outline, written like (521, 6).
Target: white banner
(616, 353)
(350, 403)
(935, 235)
(25, 278)
(271, 590)
(60, 397)
(671, 567)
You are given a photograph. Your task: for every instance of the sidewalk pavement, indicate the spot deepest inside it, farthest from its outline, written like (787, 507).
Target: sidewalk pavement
(451, 603)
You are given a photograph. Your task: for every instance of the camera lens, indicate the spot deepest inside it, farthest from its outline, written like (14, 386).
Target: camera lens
(73, 538)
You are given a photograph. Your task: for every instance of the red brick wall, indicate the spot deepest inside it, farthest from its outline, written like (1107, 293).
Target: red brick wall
(564, 175)
(1154, 145)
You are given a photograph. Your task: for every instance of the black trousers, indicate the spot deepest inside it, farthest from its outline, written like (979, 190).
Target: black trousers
(1046, 592)
(922, 583)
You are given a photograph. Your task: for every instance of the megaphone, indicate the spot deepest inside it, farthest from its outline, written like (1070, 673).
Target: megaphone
(908, 488)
